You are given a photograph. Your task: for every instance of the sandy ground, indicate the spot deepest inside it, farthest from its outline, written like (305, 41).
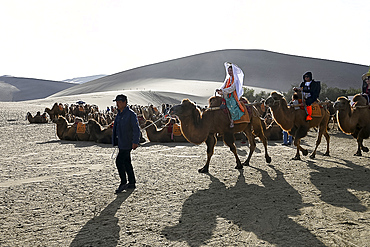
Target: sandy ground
(60, 193)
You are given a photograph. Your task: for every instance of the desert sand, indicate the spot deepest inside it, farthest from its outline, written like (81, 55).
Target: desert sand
(61, 193)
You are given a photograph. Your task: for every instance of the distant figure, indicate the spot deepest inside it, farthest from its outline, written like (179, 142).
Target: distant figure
(232, 91)
(108, 109)
(126, 134)
(287, 139)
(311, 91)
(366, 83)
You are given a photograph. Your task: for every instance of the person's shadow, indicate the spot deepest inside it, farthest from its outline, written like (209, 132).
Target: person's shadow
(263, 210)
(335, 184)
(102, 230)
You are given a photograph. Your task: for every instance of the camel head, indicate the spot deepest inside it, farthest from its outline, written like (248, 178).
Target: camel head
(185, 109)
(274, 99)
(342, 103)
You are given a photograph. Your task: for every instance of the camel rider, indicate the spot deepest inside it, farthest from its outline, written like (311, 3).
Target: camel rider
(232, 90)
(310, 91)
(366, 85)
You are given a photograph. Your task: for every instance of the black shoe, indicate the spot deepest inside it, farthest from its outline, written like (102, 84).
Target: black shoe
(131, 186)
(285, 144)
(121, 188)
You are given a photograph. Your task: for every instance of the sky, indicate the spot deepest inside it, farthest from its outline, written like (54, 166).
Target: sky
(64, 39)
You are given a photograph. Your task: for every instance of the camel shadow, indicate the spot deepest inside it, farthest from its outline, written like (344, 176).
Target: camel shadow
(335, 184)
(102, 230)
(167, 144)
(264, 210)
(78, 144)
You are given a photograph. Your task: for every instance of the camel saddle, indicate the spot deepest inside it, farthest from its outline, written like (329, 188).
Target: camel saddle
(316, 109)
(80, 128)
(176, 131)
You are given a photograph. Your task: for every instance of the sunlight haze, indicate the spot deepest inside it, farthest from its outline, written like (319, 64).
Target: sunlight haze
(58, 40)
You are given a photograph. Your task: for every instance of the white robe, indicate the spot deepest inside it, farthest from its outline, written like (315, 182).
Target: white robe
(238, 80)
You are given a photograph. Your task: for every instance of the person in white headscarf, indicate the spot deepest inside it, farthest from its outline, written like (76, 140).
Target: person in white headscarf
(232, 91)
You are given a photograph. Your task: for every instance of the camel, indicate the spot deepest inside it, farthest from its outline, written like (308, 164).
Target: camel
(293, 120)
(64, 130)
(98, 133)
(82, 132)
(356, 121)
(200, 127)
(164, 134)
(38, 118)
(55, 111)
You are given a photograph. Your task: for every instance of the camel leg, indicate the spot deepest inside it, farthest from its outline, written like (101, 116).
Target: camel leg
(359, 144)
(327, 137)
(318, 141)
(230, 141)
(259, 132)
(252, 146)
(211, 142)
(297, 144)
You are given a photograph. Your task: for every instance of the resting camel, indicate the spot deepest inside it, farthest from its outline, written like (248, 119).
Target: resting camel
(294, 121)
(55, 111)
(98, 133)
(82, 132)
(64, 130)
(356, 121)
(164, 134)
(200, 127)
(37, 118)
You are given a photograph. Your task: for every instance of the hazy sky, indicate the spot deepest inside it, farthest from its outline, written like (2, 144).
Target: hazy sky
(57, 40)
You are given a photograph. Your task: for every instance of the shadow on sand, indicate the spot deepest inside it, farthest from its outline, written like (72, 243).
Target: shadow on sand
(102, 230)
(335, 184)
(265, 211)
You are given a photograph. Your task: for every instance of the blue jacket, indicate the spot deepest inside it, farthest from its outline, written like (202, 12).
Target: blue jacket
(126, 130)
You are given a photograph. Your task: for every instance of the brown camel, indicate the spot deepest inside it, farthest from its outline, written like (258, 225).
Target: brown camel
(64, 130)
(354, 121)
(55, 111)
(98, 133)
(164, 134)
(82, 132)
(38, 118)
(200, 127)
(294, 121)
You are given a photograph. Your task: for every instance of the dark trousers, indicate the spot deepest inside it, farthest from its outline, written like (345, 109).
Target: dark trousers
(123, 163)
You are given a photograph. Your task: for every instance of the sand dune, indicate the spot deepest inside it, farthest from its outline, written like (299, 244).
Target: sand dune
(195, 77)
(262, 69)
(29, 88)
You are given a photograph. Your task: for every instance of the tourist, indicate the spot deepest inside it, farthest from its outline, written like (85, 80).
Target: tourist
(232, 91)
(311, 91)
(126, 135)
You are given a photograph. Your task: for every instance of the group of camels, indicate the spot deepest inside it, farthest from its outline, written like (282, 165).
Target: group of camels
(199, 127)
(187, 122)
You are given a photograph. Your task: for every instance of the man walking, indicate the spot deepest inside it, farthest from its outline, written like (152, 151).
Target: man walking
(126, 134)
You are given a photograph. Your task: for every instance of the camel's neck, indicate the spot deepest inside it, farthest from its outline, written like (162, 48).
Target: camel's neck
(283, 115)
(61, 128)
(194, 128)
(346, 120)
